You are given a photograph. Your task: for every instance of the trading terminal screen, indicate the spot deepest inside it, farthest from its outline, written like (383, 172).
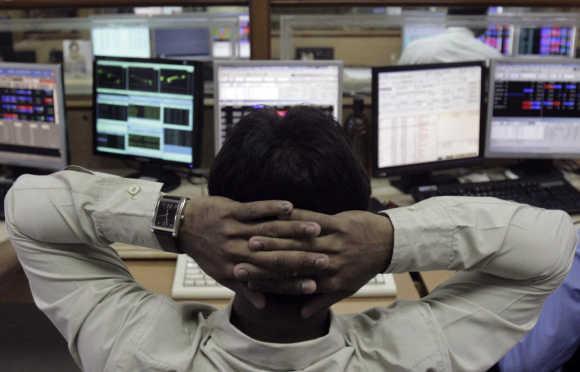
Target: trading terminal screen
(500, 38)
(412, 32)
(32, 126)
(182, 42)
(121, 41)
(428, 115)
(145, 109)
(547, 41)
(535, 109)
(242, 87)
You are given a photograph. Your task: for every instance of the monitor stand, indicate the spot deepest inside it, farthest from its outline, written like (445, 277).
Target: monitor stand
(156, 172)
(533, 168)
(412, 181)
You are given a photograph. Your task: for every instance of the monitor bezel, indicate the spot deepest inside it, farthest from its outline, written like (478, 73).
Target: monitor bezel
(197, 129)
(257, 63)
(432, 165)
(64, 146)
(520, 155)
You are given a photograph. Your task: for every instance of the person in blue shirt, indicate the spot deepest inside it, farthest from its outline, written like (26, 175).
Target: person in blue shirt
(556, 336)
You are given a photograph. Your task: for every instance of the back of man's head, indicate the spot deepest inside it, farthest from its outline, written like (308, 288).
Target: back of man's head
(303, 157)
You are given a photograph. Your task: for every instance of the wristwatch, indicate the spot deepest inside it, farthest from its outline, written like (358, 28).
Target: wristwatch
(169, 213)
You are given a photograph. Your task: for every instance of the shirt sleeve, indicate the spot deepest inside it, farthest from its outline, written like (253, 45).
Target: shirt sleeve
(511, 257)
(60, 227)
(556, 335)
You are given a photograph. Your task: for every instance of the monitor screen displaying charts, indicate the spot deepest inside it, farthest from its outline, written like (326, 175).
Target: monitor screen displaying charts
(148, 109)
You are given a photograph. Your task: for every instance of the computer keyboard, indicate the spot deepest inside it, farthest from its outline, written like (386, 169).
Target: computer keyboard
(549, 193)
(190, 282)
(4, 187)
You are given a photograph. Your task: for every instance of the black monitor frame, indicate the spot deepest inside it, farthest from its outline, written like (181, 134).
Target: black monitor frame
(418, 168)
(197, 115)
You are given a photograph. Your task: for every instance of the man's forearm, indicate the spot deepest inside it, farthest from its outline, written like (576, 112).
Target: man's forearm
(489, 235)
(74, 207)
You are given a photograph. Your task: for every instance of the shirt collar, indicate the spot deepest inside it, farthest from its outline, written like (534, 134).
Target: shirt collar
(293, 356)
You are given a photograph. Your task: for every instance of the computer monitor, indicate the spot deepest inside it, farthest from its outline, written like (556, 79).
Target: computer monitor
(427, 117)
(534, 109)
(32, 116)
(500, 38)
(412, 31)
(182, 42)
(148, 109)
(242, 86)
(547, 41)
(121, 41)
(222, 46)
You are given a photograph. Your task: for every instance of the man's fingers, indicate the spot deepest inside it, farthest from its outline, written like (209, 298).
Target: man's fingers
(321, 302)
(287, 287)
(321, 245)
(247, 272)
(291, 263)
(327, 222)
(262, 209)
(275, 229)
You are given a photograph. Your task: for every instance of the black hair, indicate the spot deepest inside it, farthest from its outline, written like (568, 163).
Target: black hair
(303, 157)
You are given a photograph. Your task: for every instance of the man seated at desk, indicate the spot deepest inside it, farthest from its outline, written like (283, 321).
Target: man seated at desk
(456, 44)
(512, 256)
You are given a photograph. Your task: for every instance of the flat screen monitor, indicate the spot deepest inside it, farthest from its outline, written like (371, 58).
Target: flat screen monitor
(121, 41)
(427, 116)
(182, 42)
(500, 38)
(222, 45)
(547, 41)
(242, 86)
(149, 109)
(534, 109)
(32, 117)
(412, 32)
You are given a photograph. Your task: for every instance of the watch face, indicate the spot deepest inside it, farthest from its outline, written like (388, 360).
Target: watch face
(166, 214)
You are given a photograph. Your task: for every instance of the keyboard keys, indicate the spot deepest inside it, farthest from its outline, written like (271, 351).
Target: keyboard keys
(553, 193)
(190, 282)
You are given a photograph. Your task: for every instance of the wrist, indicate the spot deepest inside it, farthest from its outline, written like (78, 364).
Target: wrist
(385, 227)
(184, 237)
(167, 221)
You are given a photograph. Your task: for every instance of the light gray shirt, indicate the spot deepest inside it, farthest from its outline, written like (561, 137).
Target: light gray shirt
(456, 44)
(511, 256)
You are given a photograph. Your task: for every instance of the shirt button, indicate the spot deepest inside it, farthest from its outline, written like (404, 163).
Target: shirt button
(134, 190)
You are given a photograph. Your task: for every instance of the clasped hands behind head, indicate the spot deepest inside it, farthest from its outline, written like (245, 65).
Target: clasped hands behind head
(325, 246)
